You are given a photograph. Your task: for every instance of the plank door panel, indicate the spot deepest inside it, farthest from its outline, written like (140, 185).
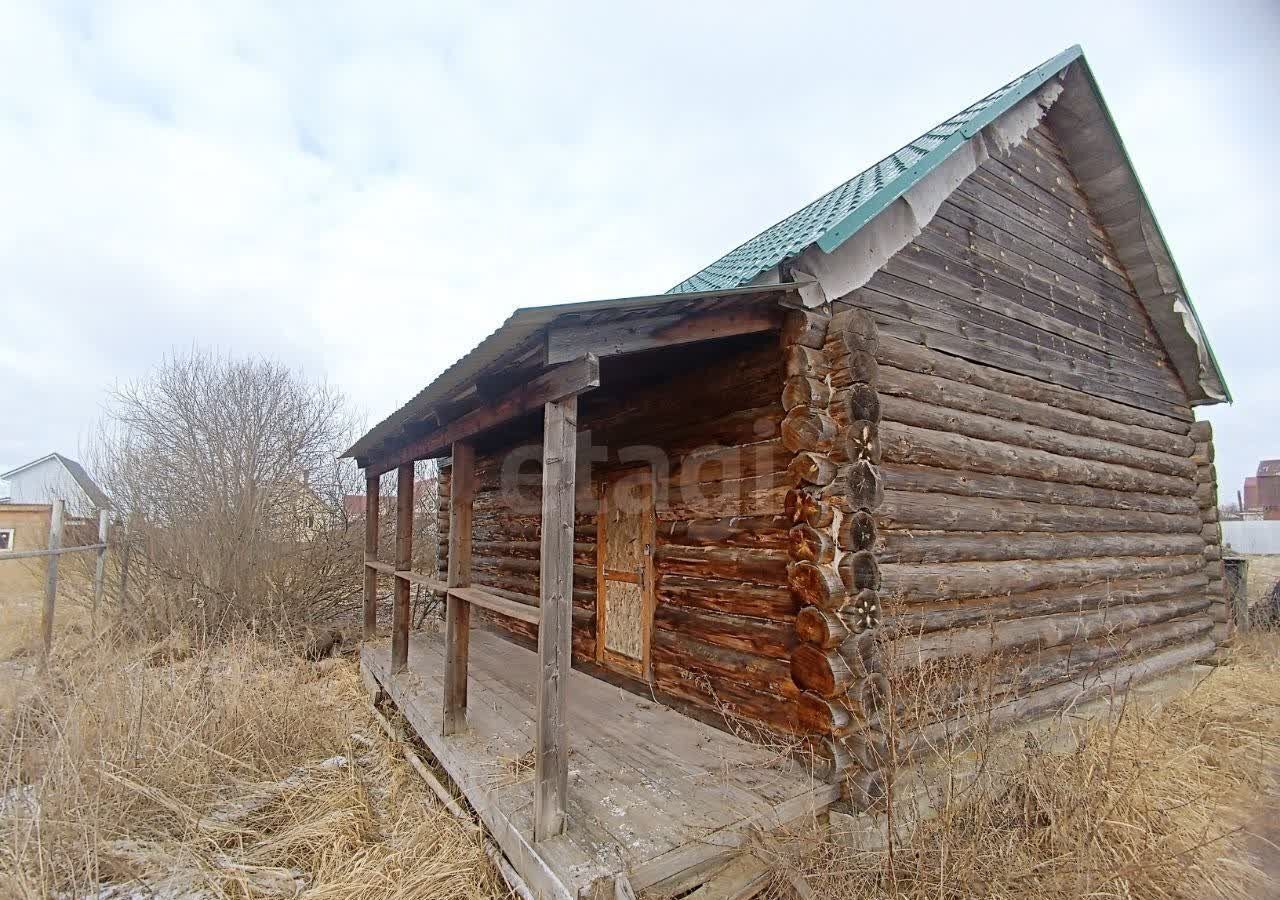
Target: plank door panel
(624, 585)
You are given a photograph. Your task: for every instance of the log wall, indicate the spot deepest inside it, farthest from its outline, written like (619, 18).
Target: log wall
(724, 620)
(1211, 530)
(1033, 508)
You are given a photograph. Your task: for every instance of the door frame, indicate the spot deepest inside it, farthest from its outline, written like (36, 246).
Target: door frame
(641, 668)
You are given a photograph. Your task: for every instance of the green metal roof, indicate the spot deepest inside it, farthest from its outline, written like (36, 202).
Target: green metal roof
(837, 215)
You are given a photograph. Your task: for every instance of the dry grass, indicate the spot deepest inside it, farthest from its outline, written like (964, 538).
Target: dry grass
(246, 771)
(1169, 802)
(238, 771)
(1264, 572)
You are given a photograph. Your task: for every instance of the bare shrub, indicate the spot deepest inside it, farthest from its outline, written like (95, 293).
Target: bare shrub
(226, 475)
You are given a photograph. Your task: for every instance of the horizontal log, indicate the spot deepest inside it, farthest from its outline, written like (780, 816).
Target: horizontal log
(749, 635)
(516, 564)
(854, 329)
(916, 357)
(914, 582)
(805, 428)
(858, 530)
(822, 672)
(823, 628)
(959, 397)
(862, 442)
(1201, 431)
(1037, 632)
(808, 544)
(958, 546)
(871, 747)
(924, 618)
(802, 390)
(871, 693)
(755, 564)
(1203, 455)
(863, 486)
(799, 360)
(820, 715)
(584, 592)
(912, 445)
(1039, 669)
(719, 463)
(804, 327)
(741, 598)
(924, 479)
(859, 570)
(862, 403)
(731, 531)
(1206, 495)
(725, 698)
(946, 512)
(720, 664)
(1207, 474)
(1114, 680)
(805, 505)
(990, 348)
(922, 698)
(816, 585)
(760, 496)
(862, 612)
(813, 468)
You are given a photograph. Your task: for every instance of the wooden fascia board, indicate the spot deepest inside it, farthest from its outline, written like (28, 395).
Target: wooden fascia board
(572, 377)
(565, 342)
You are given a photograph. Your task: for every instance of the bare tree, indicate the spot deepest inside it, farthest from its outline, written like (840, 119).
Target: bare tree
(228, 475)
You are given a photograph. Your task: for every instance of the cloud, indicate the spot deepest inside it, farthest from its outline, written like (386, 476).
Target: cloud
(365, 192)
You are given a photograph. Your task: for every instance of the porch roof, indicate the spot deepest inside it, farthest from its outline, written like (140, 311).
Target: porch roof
(517, 342)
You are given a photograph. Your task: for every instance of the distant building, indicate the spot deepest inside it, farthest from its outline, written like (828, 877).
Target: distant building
(26, 513)
(56, 477)
(1262, 492)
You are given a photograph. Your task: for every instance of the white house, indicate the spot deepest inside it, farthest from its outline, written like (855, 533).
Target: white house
(55, 477)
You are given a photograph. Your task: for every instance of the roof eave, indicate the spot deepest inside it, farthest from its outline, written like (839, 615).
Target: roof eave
(1032, 81)
(1142, 194)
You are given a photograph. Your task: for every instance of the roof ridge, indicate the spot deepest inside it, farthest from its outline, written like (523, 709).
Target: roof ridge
(792, 234)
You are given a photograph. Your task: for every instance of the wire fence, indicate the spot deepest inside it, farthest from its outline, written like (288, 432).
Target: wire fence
(53, 553)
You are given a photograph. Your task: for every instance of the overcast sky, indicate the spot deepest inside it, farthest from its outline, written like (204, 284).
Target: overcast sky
(366, 193)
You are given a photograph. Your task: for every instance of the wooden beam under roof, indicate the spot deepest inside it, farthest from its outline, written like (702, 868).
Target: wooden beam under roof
(568, 341)
(565, 380)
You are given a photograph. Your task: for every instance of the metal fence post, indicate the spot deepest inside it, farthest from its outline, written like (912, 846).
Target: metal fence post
(51, 579)
(100, 572)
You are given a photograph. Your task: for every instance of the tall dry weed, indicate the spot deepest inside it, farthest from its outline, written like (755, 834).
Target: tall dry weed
(240, 770)
(1175, 800)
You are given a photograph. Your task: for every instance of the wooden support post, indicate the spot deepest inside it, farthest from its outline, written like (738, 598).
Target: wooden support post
(371, 512)
(404, 562)
(51, 580)
(457, 624)
(555, 633)
(100, 570)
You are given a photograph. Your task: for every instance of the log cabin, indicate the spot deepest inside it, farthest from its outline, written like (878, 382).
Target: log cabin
(941, 415)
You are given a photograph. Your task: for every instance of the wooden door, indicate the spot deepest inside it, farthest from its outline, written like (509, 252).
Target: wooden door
(624, 571)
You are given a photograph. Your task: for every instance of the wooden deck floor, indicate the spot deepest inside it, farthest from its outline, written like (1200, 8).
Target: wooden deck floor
(652, 793)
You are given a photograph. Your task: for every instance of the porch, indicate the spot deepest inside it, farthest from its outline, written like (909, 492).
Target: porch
(652, 794)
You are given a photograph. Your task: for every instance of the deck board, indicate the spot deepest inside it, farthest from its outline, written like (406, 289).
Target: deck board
(651, 792)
